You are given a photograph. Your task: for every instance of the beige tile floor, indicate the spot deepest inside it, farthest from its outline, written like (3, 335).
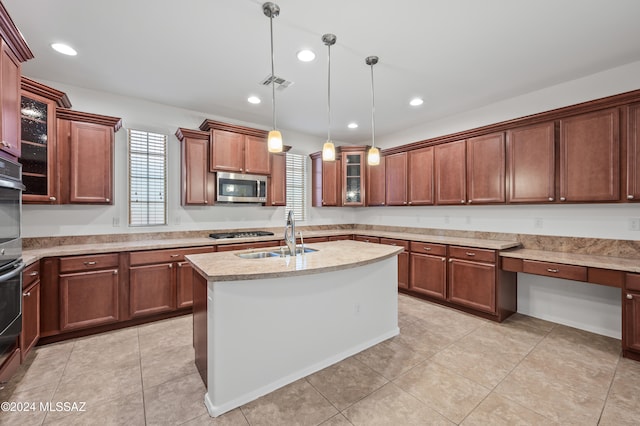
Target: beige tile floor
(445, 367)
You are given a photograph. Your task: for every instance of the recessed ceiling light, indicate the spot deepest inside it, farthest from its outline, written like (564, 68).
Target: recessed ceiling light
(352, 125)
(253, 100)
(64, 49)
(416, 102)
(306, 55)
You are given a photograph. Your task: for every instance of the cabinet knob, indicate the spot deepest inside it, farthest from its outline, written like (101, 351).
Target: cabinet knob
(26, 294)
(33, 274)
(629, 296)
(563, 199)
(550, 198)
(450, 260)
(4, 143)
(383, 204)
(107, 200)
(462, 201)
(470, 201)
(629, 197)
(404, 202)
(115, 272)
(52, 198)
(552, 270)
(171, 266)
(443, 259)
(410, 202)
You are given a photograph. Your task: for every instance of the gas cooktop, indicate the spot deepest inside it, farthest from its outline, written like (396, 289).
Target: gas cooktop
(241, 234)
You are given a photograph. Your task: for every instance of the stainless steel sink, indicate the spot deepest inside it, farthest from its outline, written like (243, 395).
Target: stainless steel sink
(281, 253)
(258, 255)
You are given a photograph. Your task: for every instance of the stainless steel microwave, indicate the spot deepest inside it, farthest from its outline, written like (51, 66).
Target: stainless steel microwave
(240, 188)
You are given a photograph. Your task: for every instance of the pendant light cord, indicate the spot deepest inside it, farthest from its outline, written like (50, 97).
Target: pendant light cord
(329, 94)
(373, 112)
(273, 77)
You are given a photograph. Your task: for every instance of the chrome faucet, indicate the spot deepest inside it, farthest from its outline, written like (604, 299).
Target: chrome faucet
(290, 233)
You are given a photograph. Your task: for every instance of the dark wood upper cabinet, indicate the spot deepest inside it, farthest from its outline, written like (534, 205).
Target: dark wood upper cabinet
(277, 194)
(396, 179)
(420, 180)
(633, 154)
(353, 173)
(236, 148)
(531, 153)
(486, 169)
(197, 183)
(376, 185)
(590, 157)
(9, 101)
(450, 173)
(331, 183)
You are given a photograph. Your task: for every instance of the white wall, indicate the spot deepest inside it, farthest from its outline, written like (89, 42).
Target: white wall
(590, 220)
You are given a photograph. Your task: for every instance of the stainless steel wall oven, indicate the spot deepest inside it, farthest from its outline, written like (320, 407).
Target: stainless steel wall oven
(11, 264)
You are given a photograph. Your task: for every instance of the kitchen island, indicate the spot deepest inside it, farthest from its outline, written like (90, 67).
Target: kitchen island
(262, 323)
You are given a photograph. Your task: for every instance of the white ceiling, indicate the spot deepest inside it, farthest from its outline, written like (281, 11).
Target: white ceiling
(210, 55)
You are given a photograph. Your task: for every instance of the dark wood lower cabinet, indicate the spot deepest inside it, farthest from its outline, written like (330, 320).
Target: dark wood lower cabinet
(184, 285)
(88, 299)
(152, 289)
(631, 313)
(473, 284)
(30, 318)
(428, 275)
(403, 260)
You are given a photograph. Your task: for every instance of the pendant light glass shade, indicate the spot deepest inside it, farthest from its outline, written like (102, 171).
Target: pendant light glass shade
(274, 140)
(373, 157)
(329, 149)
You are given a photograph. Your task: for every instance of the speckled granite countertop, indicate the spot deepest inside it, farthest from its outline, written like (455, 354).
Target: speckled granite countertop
(590, 260)
(331, 256)
(32, 255)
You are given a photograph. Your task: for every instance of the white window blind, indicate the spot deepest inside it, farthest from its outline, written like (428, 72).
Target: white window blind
(147, 178)
(296, 185)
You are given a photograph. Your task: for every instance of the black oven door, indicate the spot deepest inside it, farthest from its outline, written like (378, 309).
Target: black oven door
(10, 306)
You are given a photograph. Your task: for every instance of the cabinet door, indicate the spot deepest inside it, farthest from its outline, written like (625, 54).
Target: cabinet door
(633, 154)
(184, 285)
(473, 284)
(396, 179)
(256, 156)
(590, 157)
(531, 164)
(450, 173)
(485, 169)
(91, 169)
(30, 319)
(428, 275)
(376, 187)
(198, 185)
(227, 151)
(38, 145)
(152, 289)
(353, 185)
(88, 299)
(277, 194)
(9, 101)
(403, 260)
(331, 194)
(421, 177)
(631, 321)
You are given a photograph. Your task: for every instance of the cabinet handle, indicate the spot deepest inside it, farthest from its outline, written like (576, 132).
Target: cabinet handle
(550, 198)
(629, 296)
(404, 202)
(443, 259)
(115, 272)
(462, 201)
(26, 294)
(410, 202)
(470, 201)
(174, 255)
(383, 204)
(33, 274)
(427, 248)
(107, 200)
(171, 266)
(90, 263)
(52, 198)
(629, 197)
(563, 199)
(450, 260)
(470, 253)
(552, 270)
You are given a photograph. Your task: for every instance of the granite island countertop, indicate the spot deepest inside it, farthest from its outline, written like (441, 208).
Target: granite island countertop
(331, 256)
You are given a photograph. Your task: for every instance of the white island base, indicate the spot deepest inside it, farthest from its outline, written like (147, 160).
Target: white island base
(266, 333)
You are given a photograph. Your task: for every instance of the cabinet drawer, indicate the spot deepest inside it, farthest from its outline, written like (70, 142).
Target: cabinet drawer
(468, 253)
(88, 263)
(428, 248)
(605, 277)
(367, 239)
(165, 256)
(557, 270)
(30, 274)
(398, 243)
(632, 282)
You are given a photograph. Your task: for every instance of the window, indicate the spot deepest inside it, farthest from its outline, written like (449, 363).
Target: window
(296, 185)
(147, 178)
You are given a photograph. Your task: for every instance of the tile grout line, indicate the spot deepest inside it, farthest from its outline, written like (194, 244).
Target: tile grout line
(66, 364)
(615, 373)
(144, 405)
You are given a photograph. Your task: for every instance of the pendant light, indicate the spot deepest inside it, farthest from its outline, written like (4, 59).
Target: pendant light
(274, 140)
(373, 158)
(328, 149)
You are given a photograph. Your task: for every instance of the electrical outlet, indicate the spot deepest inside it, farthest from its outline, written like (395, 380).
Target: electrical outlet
(537, 222)
(115, 222)
(177, 220)
(634, 224)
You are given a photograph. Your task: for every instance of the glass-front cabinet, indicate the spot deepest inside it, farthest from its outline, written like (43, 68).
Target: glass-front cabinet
(353, 175)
